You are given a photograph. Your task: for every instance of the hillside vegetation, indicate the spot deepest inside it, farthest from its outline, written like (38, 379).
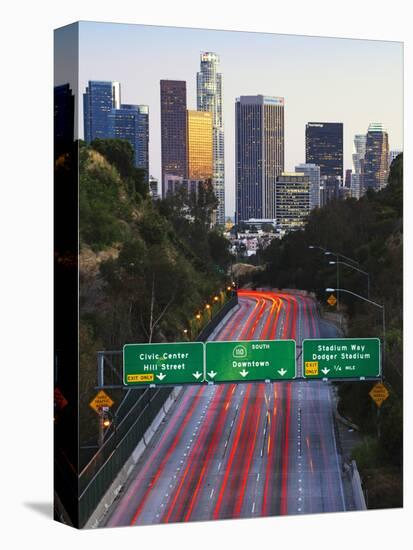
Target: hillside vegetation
(145, 267)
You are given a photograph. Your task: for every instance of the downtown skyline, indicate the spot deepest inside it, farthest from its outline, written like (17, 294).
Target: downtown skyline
(354, 82)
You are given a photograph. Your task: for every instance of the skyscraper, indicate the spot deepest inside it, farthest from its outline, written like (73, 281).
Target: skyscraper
(347, 179)
(98, 101)
(173, 129)
(358, 163)
(259, 154)
(394, 153)
(199, 145)
(64, 118)
(331, 189)
(376, 160)
(313, 173)
(209, 98)
(324, 147)
(293, 200)
(131, 122)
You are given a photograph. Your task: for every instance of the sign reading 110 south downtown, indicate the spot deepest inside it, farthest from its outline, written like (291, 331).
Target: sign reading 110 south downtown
(336, 358)
(170, 363)
(250, 361)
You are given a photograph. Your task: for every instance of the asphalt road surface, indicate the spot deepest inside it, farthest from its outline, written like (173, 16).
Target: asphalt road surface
(242, 450)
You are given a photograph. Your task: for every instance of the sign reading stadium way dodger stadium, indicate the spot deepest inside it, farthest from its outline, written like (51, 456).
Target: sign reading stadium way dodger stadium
(177, 363)
(250, 360)
(336, 358)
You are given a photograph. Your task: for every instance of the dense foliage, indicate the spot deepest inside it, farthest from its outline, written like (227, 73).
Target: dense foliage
(145, 267)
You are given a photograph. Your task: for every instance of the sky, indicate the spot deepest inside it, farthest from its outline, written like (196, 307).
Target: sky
(355, 82)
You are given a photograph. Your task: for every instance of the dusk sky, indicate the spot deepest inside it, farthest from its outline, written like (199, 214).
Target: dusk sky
(322, 79)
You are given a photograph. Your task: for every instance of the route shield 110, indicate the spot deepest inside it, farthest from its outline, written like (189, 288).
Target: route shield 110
(248, 361)
(163, 364)
(338, 358)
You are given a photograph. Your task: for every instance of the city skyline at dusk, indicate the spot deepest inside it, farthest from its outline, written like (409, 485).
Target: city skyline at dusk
(321, 79)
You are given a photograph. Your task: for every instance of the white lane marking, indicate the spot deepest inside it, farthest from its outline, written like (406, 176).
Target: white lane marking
(258, 477)
(253, 507)
(212, 492)
(335, 448)
(219, 465)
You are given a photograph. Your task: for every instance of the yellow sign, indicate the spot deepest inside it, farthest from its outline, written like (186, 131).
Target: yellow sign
(379, 393)
(148, 377)
(102, 399)
(332, 300)
(311, 368)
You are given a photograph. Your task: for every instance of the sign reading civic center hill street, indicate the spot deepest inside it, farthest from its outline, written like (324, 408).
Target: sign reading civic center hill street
(336, 358)
(170, 363)
(250, 360)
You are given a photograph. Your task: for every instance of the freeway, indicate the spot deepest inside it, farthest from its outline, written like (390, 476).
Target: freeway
(242, 450)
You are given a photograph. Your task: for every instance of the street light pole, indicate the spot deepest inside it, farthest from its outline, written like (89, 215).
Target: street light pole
(380, 306)
(356, 269)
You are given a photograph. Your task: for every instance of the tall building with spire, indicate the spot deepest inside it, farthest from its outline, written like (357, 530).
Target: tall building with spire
(259, 155)
(376, 160)
(209, 98)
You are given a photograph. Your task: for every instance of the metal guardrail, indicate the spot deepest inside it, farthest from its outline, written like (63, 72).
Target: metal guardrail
(97, 476)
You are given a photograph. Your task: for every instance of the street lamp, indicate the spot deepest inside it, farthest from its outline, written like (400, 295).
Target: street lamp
(208, 308)
(337, 255)
(380, 306)
(356, 269)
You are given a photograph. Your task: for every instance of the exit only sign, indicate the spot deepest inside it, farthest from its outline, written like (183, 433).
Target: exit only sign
(338, 358)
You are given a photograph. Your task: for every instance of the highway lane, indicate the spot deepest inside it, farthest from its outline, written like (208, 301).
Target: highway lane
(242, 450)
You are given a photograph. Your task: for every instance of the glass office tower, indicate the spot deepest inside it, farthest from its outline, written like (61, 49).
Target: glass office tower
(209, 98)
(324, 147)
(376, 160)
(98, 101)
(313, 173)
(358, 163)
(293, 200)
(173, 129)
(199, 145)
(259, 154)
(131, 122)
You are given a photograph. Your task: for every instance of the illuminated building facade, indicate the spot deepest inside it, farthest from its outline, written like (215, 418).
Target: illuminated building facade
(259, 155)
(324, 147)
(199, 145)
(376, 160)
(293, 200)
(313, 173)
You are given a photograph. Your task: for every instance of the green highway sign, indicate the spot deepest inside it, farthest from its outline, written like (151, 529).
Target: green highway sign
(248, 361)
(335, 358)
(160, 364)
